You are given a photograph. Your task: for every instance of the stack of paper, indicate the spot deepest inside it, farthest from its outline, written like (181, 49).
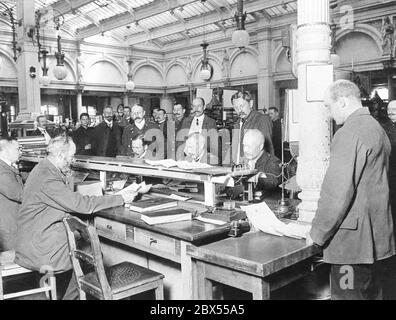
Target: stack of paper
(186, 165)
(263, 219)
(167, 163)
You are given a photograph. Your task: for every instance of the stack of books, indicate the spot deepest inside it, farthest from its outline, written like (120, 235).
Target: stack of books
(160, 210)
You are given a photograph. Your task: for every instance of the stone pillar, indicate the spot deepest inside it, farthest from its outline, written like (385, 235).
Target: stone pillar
(265, 82)
(28, 87)
(79, 104)
(313, 48)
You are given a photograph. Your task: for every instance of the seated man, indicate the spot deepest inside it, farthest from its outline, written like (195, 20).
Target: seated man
(11, 189)
(139, 148)
(255, 157)
(41, 240)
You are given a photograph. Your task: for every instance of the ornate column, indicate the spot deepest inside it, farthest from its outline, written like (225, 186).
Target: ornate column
(265, 82)
(28, 84)
(80, 109)
(313, 48)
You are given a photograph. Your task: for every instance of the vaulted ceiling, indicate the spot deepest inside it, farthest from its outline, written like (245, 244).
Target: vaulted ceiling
(160, 22)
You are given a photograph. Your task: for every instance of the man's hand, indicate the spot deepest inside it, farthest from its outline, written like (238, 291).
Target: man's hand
(128, 196)
(309, 240)
(88, 147)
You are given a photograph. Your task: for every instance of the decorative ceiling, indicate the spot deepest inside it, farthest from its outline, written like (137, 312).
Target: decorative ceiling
(162, 22)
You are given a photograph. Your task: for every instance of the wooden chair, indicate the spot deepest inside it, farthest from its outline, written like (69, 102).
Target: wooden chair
(8, 268)
(106, 283)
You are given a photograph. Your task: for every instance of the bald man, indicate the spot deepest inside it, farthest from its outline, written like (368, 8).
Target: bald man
(139, 128)
(256, 157)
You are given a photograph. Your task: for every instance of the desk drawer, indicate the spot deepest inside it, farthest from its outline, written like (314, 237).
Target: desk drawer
(110, 227)
(157, 242)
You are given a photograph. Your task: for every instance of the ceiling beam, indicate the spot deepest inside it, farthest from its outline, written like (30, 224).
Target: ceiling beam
(68, 6)
(199, 21)
(123, 19)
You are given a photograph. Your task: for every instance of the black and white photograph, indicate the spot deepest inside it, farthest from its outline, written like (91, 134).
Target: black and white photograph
(197, 156)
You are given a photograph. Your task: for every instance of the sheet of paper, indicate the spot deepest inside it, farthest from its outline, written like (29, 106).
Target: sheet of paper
(226, 181)
(178, 198)
(141, 188)
(91, 189)
(212, 221)
(186, 165)
(167, 163)
(119, 185)
(297, 230)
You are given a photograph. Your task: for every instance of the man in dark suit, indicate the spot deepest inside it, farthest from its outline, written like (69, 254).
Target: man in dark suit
(198, 122)
(43, 130)
(249, 119)
(107, 136)
(47, 200)
(11, 188)
(179, 113)
(82, 137)
(276, 131)
(353, 222)
(140, 127)
(126, 119)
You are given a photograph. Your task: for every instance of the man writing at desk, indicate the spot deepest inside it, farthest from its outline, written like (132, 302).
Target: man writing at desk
(353, 222)
(47, 200)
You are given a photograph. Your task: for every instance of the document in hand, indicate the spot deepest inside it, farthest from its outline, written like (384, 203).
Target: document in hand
(263, 219)
(141, 188)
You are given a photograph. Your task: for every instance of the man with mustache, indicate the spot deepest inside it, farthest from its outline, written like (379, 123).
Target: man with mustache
(140, 127)
(249, 119)
(107, 136)
(198, 122)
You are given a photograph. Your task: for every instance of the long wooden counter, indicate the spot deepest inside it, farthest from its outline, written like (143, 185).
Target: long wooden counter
(166, 242)
(257, 262)
(209, 177)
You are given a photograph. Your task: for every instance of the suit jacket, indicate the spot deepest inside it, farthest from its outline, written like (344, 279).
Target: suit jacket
(270, 165)
(353, 221)
(11, 188)
(107, 141)
(132, 131)
(36, 133)
(255, 120)
(277, 138)
(123, 122)
(41, 237)
(81, 138)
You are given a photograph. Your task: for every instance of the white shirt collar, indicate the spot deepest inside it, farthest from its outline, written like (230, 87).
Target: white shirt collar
(141, 124)
(200, 117)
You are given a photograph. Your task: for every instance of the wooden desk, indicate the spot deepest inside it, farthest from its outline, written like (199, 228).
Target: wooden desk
(257, 262)
(209, 177)
(165, 241)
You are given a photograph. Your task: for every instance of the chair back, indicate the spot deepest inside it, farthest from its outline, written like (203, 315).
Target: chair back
(85, 250)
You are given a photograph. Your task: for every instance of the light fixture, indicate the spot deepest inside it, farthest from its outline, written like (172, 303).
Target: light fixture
(206, 72)
(130, 85)
(45, 80)
(60, 71)
(240, 37)
(9, 11)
